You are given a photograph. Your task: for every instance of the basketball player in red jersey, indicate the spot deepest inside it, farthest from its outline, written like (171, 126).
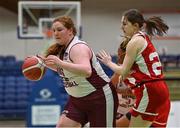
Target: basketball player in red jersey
(143, 68)
(92, 97)
(126, 96)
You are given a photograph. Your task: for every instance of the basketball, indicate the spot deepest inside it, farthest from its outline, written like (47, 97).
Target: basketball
(33, 68)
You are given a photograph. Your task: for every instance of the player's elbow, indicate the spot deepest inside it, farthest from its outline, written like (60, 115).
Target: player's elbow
(88, 72)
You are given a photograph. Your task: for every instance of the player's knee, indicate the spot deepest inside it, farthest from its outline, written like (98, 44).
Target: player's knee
(60, 124)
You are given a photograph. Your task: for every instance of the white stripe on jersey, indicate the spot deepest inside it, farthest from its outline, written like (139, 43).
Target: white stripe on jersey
(141, 62)
(98, 68)
(144, 101)
(142, 65)
(109, 105)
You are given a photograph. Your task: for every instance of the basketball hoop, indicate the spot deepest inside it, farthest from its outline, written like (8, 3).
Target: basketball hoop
(48, 33)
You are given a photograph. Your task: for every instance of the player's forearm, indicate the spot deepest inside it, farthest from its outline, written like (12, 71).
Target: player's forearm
(79, 69)
(117, 68)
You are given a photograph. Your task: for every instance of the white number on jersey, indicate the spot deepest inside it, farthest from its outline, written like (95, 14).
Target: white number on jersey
(155, 65)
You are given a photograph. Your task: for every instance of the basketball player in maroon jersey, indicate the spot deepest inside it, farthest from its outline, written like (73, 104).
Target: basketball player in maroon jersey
(92, 97)
(143, 68)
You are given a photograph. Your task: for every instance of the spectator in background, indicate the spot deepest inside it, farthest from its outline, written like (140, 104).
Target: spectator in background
(141, 67)
(92, 98)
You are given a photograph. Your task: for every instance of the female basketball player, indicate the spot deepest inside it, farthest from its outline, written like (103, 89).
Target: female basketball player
(92, 98)
(143, 68)
(126, 96)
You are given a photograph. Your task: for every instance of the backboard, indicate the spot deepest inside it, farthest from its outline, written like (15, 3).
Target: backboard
(35, 17)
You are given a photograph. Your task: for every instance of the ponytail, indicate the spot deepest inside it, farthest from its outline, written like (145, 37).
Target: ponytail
(156, 26)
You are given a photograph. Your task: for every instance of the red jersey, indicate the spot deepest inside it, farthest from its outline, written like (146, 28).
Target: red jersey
(147, 65)
(152, 98)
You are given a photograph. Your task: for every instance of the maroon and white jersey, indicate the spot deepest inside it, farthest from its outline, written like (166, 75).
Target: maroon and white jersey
(77, 85)
(147, 65)
(126, 102)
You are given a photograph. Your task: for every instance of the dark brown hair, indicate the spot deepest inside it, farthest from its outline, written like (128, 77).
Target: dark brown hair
(122, 50)
(57, 49)
(154, 25)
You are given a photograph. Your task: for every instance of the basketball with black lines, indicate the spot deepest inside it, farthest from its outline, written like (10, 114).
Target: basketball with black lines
(33, 68)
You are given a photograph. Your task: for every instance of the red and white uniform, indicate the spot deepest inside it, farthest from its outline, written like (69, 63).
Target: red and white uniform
(152, 98)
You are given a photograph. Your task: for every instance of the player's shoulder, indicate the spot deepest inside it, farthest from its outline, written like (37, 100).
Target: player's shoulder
(80, 45)
(80, 49)
(137, 42)
(137, 38)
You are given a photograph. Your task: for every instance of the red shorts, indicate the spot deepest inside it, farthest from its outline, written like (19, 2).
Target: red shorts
(161, 119)
(152, 102)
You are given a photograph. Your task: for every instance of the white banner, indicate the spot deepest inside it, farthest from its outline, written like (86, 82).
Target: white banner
(174, 116)
(45, 114)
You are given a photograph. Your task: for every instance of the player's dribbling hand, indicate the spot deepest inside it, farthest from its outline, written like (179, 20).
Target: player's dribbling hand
(104, 57)
(41, 57)
(53, 62)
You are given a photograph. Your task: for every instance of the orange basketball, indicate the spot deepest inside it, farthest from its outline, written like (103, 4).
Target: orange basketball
(33, 68)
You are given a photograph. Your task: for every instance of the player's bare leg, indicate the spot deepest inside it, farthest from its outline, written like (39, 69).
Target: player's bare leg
(66, 122)
(139, 122)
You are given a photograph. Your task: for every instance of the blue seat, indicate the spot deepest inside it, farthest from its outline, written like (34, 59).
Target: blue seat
(10, 81)
(9, 104)
(22, 89)
(22, 96)
(1, 90)
(21, 80)
(10, 84)
(178, 60)
(1, 63)
(10, 78)
(1, 96)
(9, 97)
(1, 79)
(4, 71)
(2, 58)
(9, 90)
(2, 84)
(22, 104)
(30, 83)
(10, 60)
(168, 58)
(1, 104)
